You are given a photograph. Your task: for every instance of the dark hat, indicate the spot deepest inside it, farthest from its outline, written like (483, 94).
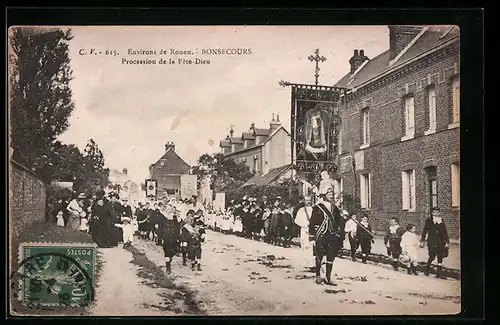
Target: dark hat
(100, 194)
(113, 194)
(190, 211)
(435, 209)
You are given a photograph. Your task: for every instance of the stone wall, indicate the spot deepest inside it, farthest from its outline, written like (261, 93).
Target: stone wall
(27, 198)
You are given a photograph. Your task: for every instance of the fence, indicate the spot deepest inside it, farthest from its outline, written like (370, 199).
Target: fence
(27, 198)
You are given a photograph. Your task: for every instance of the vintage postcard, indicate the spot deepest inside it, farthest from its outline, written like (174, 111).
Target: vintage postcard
(234, 170)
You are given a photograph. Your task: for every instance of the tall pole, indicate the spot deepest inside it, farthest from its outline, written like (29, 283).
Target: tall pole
(316, 58)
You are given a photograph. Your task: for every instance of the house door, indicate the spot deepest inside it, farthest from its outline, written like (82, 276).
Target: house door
(433, 188)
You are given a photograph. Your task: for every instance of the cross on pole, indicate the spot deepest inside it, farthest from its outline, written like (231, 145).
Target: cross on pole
(316, 58)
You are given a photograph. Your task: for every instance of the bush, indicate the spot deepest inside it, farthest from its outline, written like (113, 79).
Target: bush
(55, 193)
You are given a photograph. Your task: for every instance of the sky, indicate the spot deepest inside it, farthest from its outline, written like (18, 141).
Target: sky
(132, 110)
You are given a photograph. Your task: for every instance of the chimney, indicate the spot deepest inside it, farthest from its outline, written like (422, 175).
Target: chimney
(274, 123)
(357, 60)
(231, 131)
(170, 145)
(125, 171)
(400, 36)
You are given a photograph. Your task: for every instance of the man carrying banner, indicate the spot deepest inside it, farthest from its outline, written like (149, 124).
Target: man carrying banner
(327, 225)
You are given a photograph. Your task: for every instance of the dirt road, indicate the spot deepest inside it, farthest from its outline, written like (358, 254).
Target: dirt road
(245, 277)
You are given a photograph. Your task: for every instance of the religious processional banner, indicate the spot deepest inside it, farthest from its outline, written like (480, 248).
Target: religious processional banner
(315, 127)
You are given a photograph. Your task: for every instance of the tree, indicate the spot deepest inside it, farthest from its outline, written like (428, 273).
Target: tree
(67, 162)
(225, 174)
(40, 94)
(93, 156)
(95, 175)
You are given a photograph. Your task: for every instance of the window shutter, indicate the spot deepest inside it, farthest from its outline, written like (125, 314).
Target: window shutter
(455, 185)
(432, 109)
(367, 126)
(411, 116)
(369, 190)
(362, 190)
(456, 101)
(404, 191)
(413, 196)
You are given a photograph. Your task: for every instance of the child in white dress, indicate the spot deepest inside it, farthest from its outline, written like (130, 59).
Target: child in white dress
(128, 231)
(84, 223)
(409, 246)
(60, 219)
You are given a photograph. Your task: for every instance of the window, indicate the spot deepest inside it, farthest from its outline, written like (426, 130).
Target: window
(433, 187)
(432, 109)
(456, 100)
(245, 144)
(256, 166)
(409, 200)
(433, 193)
(340, 141)
(338, 189)
(455, 185)
(365, 127)
(409, 113)
(366, 193)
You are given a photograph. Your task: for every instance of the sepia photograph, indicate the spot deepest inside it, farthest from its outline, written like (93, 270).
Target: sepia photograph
(234, 170)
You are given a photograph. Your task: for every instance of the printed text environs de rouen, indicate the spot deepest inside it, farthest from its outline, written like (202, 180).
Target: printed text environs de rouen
(176, 56)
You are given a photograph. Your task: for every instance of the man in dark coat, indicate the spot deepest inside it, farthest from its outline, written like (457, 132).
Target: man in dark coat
(155, 219)
(103, 226)
(437, 241)
(127, 209)
(115, 211)
(185, 235)
(327, 225)
(275, 222)
(286, 226)
(169, 232)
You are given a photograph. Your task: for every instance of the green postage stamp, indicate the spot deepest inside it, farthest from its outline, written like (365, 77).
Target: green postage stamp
(52, 274)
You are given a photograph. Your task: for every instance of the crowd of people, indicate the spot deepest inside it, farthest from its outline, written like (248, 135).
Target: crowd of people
(179, 227)
(277, 222)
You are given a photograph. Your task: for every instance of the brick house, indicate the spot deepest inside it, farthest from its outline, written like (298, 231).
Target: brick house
(167, 171)
(262, 149)
(401, 126)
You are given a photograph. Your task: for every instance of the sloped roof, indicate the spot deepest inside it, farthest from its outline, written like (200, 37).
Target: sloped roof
(253, 145)
(268, 178)
(433, 37)
(274, 132)
(225, 143)
(262, 132)
(235, 140)
(247, 136)
(174, 161)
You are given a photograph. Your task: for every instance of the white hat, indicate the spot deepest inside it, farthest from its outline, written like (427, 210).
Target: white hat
(324, 186)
